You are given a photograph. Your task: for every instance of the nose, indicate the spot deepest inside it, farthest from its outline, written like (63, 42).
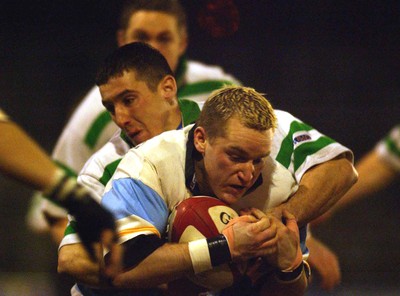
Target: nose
(122, 118)
(246, 172)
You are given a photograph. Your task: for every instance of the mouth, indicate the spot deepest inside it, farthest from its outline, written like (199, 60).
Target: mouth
(133, 135)
(238, 189)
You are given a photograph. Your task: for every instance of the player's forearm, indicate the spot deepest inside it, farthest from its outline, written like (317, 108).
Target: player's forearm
(74, 261)
(374, 175)
(22, 158)
(168, 262)
(320, 188)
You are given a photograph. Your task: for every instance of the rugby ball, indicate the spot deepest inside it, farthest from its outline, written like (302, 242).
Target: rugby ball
(204, 217)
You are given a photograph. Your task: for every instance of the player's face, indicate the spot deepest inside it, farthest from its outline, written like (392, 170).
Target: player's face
(160, 30)
(234, 162)
(136, 109)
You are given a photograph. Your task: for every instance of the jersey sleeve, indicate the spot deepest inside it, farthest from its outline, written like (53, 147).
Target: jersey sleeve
(136, 200)
(298, 146)
(389, 148)
(70, 235)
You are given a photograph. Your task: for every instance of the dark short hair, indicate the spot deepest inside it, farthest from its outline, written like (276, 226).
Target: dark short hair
(171, 7)
(148, 64)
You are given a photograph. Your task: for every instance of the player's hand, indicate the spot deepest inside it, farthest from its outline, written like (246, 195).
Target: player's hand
(93, 222)
(287, 254)
(96, 224)
(249, 236)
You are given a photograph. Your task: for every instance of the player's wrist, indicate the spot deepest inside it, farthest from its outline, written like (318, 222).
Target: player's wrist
(290, 275)
(296, 262)
(208, 253)
(293, 275)
(66, 192)
(57, 178)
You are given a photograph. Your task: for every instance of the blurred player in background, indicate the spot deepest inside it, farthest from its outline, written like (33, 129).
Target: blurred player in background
(379, 168)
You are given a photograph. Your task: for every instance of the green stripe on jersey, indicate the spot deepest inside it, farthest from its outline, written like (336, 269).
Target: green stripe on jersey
(392, 146)
(190, 111)
(109, 171)
(96, 129)
(309, 148)
(70, 172)
(71, 228)
(200, 87)
(287, 152)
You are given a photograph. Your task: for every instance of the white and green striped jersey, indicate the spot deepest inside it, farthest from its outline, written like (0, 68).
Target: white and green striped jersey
(90, 126)
(389, 147)
(296, 145)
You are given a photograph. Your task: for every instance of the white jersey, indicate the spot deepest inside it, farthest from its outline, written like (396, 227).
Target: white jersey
(96, 168)
(296, 146)
(90, 126)
(389, 148)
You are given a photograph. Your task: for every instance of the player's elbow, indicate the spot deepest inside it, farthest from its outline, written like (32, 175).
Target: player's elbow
(69, 260)
(349, 174)
(64, 262)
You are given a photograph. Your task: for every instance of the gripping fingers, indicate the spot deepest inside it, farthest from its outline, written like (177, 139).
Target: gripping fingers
(269, 235)
(257, 213)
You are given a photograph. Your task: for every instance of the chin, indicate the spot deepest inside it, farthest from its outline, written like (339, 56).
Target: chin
(230, 198)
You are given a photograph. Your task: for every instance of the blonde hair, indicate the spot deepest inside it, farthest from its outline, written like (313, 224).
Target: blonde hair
(244, 103)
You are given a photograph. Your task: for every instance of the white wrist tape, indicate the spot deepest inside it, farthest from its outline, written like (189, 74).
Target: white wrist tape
(200, 255)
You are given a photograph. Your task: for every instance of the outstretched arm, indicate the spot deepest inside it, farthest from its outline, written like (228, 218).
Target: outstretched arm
(21, 158)
(375, 174)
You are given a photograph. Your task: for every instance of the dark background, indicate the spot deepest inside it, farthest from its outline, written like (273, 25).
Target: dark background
(334, 64)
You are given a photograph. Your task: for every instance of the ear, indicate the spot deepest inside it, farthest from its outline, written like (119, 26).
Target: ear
(120, 36)
(168, 88)
(200, 139)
